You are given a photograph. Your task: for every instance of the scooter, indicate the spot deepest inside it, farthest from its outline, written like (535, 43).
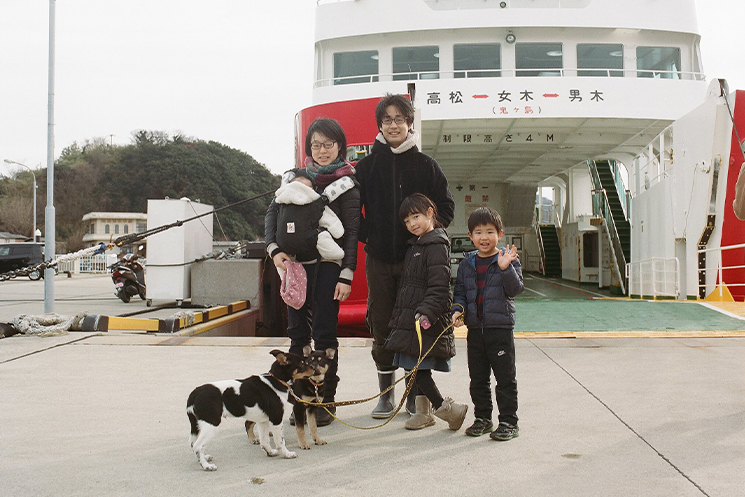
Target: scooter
(129, 277)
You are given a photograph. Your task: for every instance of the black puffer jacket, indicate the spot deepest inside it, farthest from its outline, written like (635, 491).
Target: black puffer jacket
(425, 290)
(386, 179)
(347, 209)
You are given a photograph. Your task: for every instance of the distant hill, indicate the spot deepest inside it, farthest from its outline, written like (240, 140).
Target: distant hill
(101, 177)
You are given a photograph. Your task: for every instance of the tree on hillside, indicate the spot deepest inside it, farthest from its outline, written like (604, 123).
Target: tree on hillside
(97, 176)
(16, 203)
(210, 172)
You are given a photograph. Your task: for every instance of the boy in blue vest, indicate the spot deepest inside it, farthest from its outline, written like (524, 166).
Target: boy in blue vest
(484, 298)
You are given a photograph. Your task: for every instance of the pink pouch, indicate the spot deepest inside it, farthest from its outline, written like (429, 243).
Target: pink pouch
(294, 285)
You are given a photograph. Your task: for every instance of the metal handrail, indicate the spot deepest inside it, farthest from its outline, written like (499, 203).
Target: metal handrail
(541, 250)
(507, 73)
(720, 268)
(632, 268)
(604, 211)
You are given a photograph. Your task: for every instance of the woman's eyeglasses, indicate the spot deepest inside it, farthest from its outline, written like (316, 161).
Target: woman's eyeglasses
(327, 145)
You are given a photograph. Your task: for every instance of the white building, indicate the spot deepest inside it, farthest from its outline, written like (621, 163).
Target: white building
(108, 226)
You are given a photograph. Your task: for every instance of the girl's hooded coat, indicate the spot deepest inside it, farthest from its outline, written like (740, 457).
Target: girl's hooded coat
(425, 290)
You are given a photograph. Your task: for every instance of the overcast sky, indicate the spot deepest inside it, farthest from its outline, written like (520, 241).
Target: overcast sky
(233, 71)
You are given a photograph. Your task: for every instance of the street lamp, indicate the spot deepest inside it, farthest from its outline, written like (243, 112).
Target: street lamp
(8, 161)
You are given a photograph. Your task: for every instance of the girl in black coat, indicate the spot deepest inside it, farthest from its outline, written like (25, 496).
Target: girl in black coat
(424, 297)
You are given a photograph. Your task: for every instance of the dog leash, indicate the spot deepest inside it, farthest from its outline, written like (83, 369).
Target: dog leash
(410, 383)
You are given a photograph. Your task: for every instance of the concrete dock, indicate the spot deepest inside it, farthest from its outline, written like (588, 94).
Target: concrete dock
(104, 414)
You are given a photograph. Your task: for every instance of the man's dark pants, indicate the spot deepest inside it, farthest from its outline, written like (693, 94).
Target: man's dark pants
(383, 281)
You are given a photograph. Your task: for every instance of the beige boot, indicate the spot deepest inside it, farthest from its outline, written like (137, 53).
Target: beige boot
(452, 412)
(422, 418)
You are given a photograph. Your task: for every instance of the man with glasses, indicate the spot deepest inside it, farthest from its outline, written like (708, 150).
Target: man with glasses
(394, 170)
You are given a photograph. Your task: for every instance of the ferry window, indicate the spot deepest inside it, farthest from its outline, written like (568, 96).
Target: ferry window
(602, 58)
(538, 59)
(473, 58)
(416, 63)
(347, 65)
(658, 62)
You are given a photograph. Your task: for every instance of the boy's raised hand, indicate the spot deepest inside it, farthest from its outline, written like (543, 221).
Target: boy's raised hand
(506, 257)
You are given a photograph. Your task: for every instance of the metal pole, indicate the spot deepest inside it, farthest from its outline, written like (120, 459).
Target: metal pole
(49, 215)
(33, 234)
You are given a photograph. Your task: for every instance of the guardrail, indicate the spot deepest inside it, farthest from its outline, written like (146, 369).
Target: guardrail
(654, 278)
(511, 73)
(88, 265)
(717, 285)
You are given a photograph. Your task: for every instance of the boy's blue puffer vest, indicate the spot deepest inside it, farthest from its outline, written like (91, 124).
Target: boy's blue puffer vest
(500, 289)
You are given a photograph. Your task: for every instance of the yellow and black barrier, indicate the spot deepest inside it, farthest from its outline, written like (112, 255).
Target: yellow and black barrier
(98, 322)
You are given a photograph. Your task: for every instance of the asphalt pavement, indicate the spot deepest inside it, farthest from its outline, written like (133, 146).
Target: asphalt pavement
(104, 414)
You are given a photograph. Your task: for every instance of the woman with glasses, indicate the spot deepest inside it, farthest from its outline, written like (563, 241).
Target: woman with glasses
(329, 279)
(394, 170)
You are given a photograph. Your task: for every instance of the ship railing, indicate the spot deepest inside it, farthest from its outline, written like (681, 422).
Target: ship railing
(510, 73)
(729, 276)
(541, 250)
(654, 278)
(655, 161)
(602, 212)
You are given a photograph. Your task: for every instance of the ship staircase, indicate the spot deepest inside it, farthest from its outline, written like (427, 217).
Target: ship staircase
(611, 212)
(550, 249)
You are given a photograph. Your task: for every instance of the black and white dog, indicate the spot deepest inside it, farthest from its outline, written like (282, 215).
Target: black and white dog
(260, 399)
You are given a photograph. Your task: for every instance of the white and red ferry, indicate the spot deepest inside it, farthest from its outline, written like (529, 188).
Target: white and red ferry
(590, 125)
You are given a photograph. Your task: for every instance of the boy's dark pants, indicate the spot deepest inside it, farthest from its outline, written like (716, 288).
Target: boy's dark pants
(493, 350)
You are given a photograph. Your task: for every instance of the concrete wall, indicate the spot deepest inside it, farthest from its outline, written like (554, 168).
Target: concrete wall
(225, 281)
(471, 195)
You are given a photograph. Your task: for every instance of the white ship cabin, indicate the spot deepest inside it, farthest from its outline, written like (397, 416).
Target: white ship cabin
(525, 103)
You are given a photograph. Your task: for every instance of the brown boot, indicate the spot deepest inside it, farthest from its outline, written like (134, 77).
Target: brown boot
(452, 412)
(422, 418)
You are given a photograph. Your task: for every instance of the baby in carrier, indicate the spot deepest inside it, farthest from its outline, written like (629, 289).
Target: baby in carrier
(306, 226)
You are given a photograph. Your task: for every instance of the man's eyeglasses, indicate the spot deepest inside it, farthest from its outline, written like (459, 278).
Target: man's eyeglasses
(398, 120)
(327, 145)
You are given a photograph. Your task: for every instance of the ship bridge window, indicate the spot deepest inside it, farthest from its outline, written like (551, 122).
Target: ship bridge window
(538, 59)
(602, 58)
(658, 62)
(416, 63)
(355, 67)
(477, 60)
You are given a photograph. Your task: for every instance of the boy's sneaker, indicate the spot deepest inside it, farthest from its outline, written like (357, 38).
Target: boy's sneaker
(479, 427)
(504, 432)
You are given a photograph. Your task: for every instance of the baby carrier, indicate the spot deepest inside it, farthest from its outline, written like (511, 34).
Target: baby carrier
(303, 215)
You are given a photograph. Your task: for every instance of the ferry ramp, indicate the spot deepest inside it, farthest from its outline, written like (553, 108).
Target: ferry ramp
(554, 307)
